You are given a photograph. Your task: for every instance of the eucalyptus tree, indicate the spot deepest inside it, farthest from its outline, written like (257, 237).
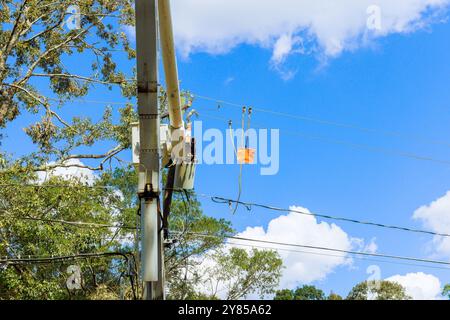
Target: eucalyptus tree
(55, 56)
(42, 55)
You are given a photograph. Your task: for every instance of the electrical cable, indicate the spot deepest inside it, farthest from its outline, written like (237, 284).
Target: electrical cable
(241, 165)
(360, 253)
(249, 205)
(337, 256)
(77, 223)
(12, 185)
(380, 150)
(327, 122)
(351, 144)
(45, 260)
(72, 223)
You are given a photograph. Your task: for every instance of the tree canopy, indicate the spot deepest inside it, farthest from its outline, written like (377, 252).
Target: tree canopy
(306, 292)
(446, 291)
(378, 290)
(39, 75)
(44, 214)
(367, 290)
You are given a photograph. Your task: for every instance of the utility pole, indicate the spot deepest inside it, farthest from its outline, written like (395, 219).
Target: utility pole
(149, 166)
(151, 14)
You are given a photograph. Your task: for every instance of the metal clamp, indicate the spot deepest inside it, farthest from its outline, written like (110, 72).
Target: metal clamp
(149, 193)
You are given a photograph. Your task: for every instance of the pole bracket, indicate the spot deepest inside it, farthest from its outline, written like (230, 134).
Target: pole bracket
(149, 193)
(147, 87)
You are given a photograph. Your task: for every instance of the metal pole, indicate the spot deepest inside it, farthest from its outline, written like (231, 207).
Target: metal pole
(149, 123)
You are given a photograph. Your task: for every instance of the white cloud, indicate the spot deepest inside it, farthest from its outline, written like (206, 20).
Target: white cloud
(301, 268)
(330, 26)
(436, 217)
(301, 265)
(283, 47)
(228, 81)
(372, 246)
(83, 175)
(419, 286)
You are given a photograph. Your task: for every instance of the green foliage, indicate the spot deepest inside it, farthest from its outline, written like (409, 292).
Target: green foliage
(378, 290)
(29, 228)
(446, 291)
(242, 272)
(309, 293)
(334, 296)
(39, 75)
(284, 295)
(302, 293)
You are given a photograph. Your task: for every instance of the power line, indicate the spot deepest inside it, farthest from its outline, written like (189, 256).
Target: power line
(51, 186)
(249, 205)
(46, 260)
(292, 116)
(92, 101)
(360, 253)
(312, 137)
(77, 223)
(84, 224)
(372, 149)
(72, 223)
(350, 144)
(327, 122)
(337, 256)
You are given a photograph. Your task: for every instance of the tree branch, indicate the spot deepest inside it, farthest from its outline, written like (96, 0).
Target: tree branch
(78, 77)
(50, 50)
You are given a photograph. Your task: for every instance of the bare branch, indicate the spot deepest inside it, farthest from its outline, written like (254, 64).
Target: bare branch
(41, 33)
(28, 92)
(50, 50)
(107, 155)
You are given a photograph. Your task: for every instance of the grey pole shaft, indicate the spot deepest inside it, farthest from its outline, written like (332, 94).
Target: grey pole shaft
(149, 167)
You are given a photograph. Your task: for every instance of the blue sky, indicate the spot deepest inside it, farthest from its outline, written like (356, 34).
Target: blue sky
(398, 81)
(401, 85)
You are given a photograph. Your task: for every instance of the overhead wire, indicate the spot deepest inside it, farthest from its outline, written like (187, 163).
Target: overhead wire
(358, 253)
(327, 122)
(336, 256)
(250, 205)
(241, 165)
(77, 223)
(361, 146)
(289, 115)
(238, 202)
(370, 148)
(63, 186)
(351, 144)
(309, 252)
(53, 259)
(328, 249)
(319, 138)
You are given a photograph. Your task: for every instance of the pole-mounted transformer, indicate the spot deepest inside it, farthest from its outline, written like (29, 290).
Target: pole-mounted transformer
(152, 141)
